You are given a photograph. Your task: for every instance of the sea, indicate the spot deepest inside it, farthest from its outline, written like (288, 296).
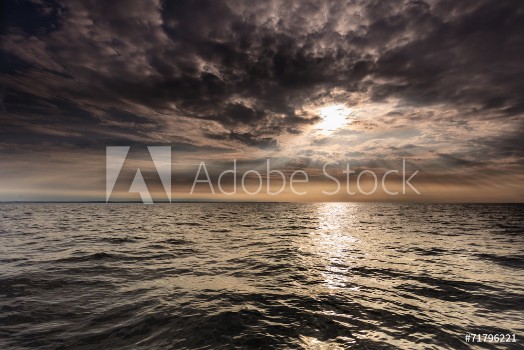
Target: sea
(261, 276)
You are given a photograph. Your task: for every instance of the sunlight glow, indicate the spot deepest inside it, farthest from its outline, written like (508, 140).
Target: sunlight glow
(334, 117)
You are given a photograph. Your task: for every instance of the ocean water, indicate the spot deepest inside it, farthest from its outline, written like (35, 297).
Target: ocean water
(260, 276)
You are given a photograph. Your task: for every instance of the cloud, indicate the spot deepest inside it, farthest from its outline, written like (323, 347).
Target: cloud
(209, 76)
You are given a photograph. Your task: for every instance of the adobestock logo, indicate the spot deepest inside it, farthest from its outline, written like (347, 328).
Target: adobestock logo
(262, 181)
(161, 157)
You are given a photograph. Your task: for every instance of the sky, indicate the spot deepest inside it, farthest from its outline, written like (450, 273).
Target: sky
(436, 84)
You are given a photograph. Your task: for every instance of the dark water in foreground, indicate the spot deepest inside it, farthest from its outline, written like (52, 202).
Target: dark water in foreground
(268, 276)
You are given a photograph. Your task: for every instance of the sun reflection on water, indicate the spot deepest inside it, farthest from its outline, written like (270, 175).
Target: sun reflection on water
(332, 245)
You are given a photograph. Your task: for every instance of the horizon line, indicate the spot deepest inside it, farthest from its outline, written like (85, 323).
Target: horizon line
(222, 201)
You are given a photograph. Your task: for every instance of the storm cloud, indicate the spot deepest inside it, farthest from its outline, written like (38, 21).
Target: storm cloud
(437, 81)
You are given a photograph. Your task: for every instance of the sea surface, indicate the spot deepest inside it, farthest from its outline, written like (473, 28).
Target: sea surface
(260, 275)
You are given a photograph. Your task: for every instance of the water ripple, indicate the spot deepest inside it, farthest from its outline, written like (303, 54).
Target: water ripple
(257, 275)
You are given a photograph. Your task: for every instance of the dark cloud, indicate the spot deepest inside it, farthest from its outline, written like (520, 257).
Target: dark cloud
(468, 60)
(246, 138)
(131, 68)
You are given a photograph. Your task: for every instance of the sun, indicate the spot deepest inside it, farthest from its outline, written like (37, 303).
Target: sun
(333, 117)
